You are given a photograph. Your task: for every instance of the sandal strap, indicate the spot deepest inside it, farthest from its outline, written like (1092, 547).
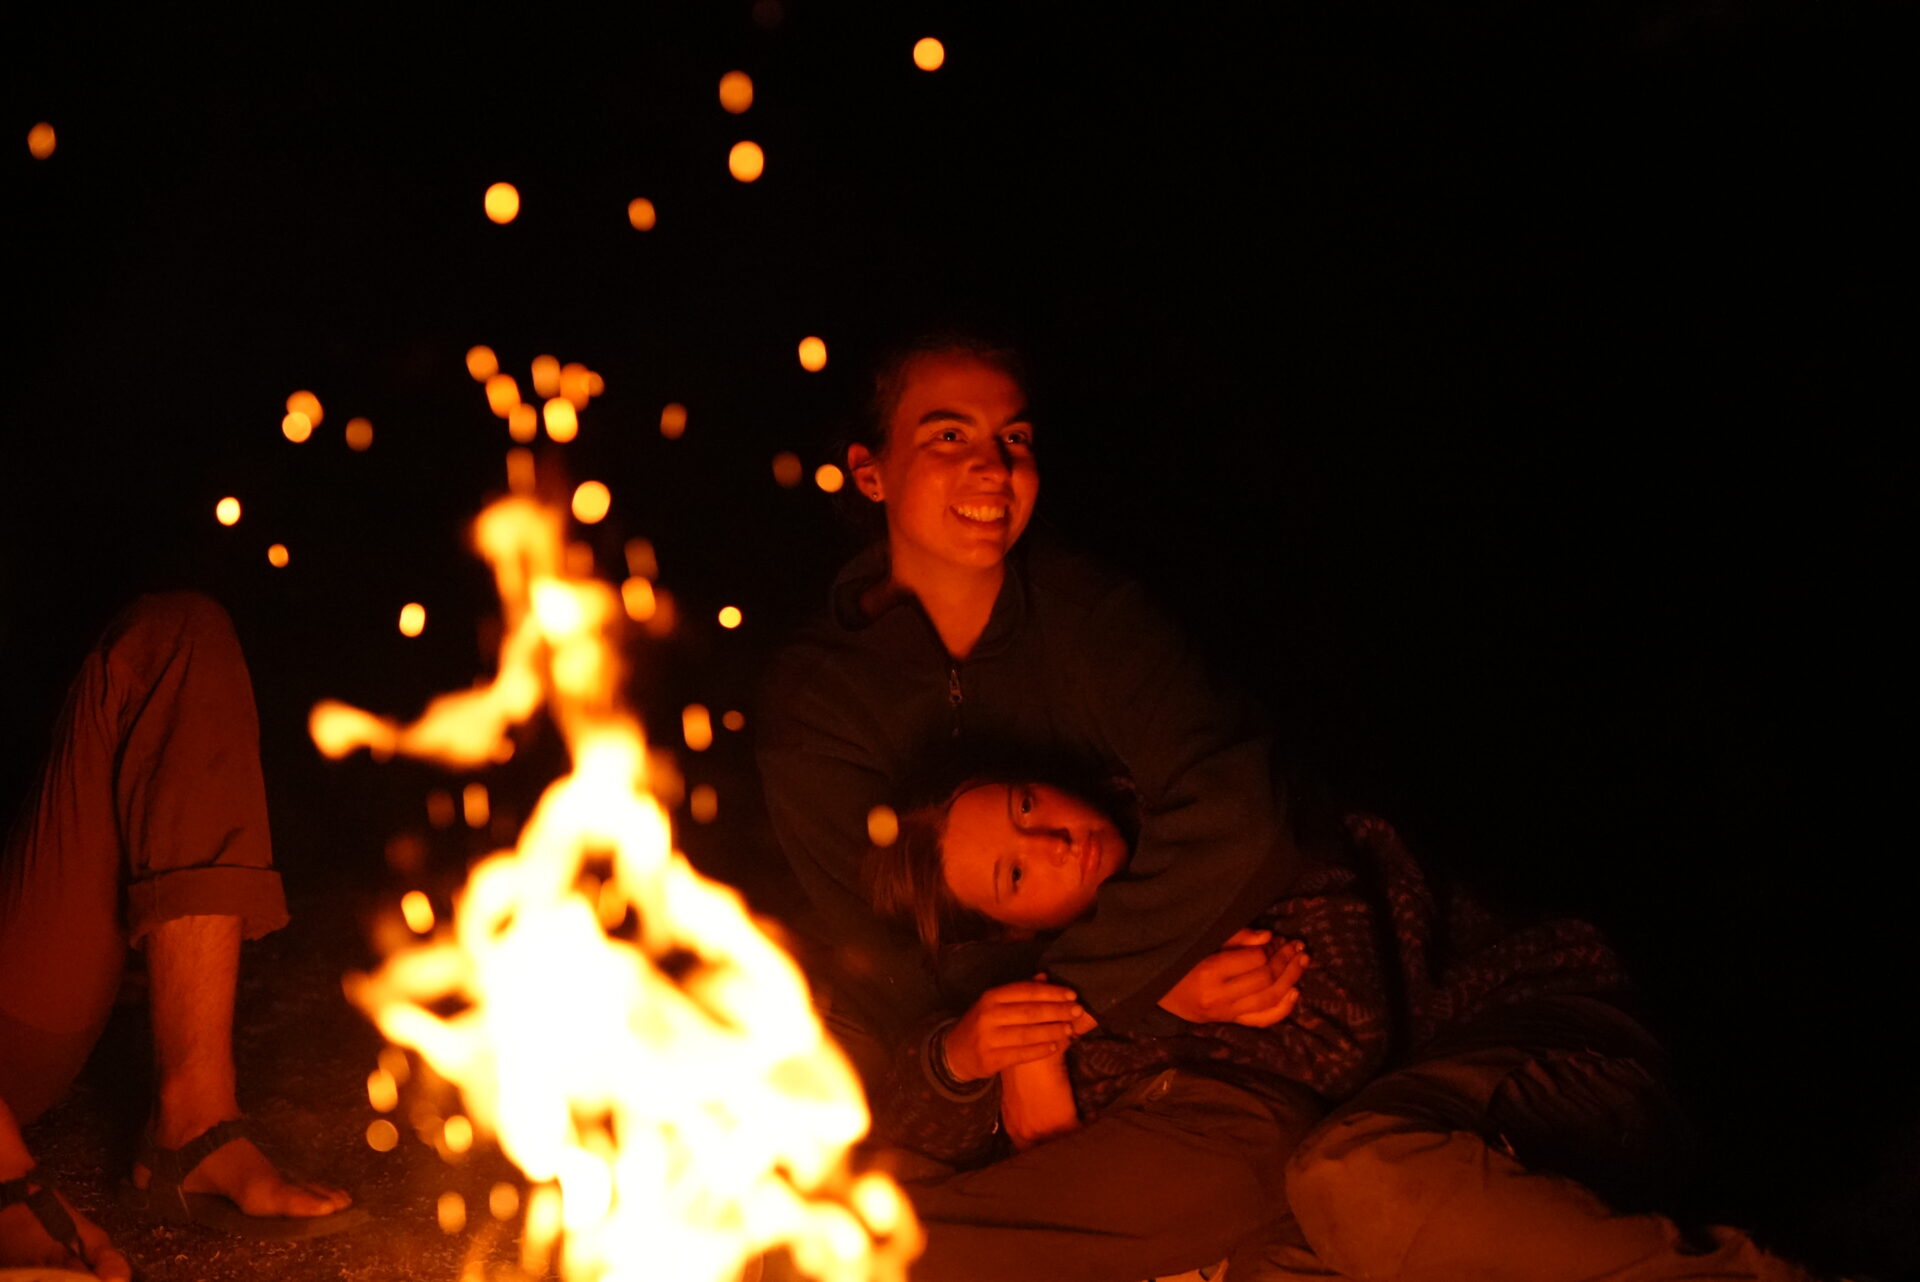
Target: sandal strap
(170, 1167)
(38, 1197)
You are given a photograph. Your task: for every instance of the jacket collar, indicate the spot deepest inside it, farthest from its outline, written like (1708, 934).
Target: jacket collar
(903, 622)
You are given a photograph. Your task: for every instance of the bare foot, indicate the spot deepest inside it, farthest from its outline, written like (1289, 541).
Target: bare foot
(25, 1243)
(241, 1173)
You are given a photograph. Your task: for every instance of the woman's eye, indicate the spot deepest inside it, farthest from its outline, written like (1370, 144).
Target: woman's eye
(1013, 874)
(948, 434)
(1023, 440)
(1026, 803)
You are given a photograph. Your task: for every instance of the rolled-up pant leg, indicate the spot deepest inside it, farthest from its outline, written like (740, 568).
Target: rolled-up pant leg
(1482, 1162)
(1169, 1181)
(150, 807)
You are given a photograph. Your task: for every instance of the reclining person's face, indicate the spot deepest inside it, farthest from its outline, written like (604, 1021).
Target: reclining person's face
(1028, 855)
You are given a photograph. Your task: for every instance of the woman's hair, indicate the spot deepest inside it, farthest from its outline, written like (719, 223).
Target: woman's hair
(906, 880)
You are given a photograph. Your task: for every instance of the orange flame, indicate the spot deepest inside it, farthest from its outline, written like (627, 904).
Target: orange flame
(674, 1126)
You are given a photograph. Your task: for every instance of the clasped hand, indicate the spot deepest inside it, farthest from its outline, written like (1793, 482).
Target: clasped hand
(1248, 981)
(1013, 1024)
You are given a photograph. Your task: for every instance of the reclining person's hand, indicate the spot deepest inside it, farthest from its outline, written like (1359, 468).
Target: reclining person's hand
(1011, 1024)
(1036, 1102)
(1247, 982)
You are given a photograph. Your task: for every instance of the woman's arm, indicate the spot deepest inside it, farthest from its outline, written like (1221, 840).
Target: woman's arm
(1036, 1102)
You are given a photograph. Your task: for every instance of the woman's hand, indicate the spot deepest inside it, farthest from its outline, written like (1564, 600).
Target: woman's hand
(1246, 982)
(1012, 1024)
(1036, 1102)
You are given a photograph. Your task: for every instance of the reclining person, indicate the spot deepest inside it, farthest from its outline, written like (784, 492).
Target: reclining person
(148, 828)
(1522, 1083)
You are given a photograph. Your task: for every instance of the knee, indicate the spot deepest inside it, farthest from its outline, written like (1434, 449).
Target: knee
(1361, 1186)
(164, 623)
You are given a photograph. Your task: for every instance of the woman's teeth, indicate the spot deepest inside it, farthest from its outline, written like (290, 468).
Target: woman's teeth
(981, 512)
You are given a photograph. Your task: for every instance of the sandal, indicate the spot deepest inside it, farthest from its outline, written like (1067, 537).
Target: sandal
(39, 1199)
(165, 1200)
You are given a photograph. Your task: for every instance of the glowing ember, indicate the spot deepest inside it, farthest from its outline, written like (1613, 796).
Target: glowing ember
(296, 427)
(703, 803)
(502, 394)
(675, 1125)
(736, 91)
(306, 403)
(929, 54)
(729, 616)
(813, 354)
(576, 384)
(413, 619)
(503, 203)
(696, 727)
(883, 826)
(382, 1135)
(734, 720)
(40, 140)
(563, 421)
(523, 423)
(474, 807)
(359, 435)
(418, 910)
(746, 161)
(640, 213)
(520, 469)
(546, 376)
(227, 511)
(382, 1091)
(482, 363)
(636, 594)
(591, 502)
(829, 478)
(673, 421)
(277, 556)
(786, 469)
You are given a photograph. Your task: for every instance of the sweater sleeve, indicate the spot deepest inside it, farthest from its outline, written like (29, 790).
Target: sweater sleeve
(923, 1111)
(1213, 850)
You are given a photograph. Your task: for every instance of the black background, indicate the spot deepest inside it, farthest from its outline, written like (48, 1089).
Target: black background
(1508, 395)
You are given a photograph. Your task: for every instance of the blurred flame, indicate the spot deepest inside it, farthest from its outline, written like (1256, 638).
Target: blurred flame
(636, 594)
(640, 213)
(675, 1125)
(929, 54)
(546, 376)
(451, 1210)
(523, 423)
(673, 420)
(736, 91)
(296, 427)
(482, 363)
(383, 1092)
(746, 161)
(829, 478)
(227, 511)
(277, 556)
(458, 1134)
(413, 619)
(813, 354)
(729, 616)
(503, 1200)
(359, 435)
(40, 140)
(503, 203)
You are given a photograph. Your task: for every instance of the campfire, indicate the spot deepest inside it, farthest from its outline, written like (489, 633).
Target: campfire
(645, 1054)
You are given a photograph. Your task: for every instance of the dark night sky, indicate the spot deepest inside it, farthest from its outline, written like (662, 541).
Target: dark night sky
(1505, 393)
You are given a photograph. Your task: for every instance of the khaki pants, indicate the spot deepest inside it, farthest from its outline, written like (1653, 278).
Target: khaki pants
(150, 807)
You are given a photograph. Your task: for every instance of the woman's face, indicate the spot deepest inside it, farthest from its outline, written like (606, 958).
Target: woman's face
(1028, 855)
(958, 475)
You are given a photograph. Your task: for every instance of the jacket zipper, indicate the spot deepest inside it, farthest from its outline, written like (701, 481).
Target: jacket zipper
(954, 696)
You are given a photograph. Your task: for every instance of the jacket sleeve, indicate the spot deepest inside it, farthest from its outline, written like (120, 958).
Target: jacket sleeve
(1213, 850)
(821, 780)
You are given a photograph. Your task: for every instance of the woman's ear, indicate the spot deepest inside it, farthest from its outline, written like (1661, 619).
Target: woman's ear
(864, 465)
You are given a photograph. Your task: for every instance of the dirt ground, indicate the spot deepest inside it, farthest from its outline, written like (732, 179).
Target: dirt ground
(303, 1055)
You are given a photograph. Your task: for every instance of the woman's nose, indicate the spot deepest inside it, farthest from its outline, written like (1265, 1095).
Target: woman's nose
(1054, 847)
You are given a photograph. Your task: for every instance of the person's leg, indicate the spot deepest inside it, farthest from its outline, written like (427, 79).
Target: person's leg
(193, 964)
(1168, 1182)
(1478, 1162)
(25, 1241)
